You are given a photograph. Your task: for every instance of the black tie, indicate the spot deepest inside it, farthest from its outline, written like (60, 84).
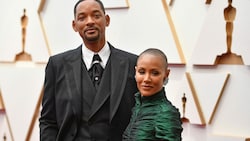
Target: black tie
(96, 70)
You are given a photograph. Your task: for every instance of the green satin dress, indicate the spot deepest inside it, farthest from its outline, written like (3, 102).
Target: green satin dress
(154, 118)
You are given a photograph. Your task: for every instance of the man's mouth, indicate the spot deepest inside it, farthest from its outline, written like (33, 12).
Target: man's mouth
(91, 30)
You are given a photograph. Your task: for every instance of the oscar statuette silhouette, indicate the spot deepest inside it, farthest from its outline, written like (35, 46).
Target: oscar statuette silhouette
(229, 57)
(184, 101)
(23, 56)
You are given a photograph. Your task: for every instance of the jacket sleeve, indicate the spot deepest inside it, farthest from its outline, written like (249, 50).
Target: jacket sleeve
(47, 121)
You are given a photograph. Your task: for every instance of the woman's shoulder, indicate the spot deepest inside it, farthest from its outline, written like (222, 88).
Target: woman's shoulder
(167, 108)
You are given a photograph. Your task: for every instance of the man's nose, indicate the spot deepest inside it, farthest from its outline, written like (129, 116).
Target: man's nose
(90, 20)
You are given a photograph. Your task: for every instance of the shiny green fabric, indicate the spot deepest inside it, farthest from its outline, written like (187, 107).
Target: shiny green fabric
(154, 118)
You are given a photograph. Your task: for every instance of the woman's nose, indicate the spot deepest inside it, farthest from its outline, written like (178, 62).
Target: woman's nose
(147, 77)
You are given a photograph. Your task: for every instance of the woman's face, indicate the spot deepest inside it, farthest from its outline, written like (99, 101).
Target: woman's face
(150, 74)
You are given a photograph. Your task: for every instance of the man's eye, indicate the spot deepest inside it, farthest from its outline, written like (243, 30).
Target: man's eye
(81, 18)
(97, 16)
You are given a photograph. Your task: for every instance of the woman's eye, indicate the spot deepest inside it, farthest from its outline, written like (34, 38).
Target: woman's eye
(141, 71)
(155, 73)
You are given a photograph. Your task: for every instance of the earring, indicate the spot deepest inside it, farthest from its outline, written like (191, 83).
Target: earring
(165, 81)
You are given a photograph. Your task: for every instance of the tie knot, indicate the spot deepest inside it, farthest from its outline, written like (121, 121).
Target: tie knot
(96, 59)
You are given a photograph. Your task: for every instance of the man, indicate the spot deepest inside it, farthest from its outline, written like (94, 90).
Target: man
(73, 109)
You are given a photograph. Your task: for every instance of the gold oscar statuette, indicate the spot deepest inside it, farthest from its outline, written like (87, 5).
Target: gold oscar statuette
(184, 101)
(229, 57)
(23, 56)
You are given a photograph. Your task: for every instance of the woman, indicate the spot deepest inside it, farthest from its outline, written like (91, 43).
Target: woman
(154, 118)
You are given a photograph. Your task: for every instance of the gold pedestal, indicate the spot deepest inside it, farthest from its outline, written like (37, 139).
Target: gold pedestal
(23, 56)
(229, 58)
(184, 119)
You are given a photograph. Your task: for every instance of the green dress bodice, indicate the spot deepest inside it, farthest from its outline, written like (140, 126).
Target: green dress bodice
(154, 118)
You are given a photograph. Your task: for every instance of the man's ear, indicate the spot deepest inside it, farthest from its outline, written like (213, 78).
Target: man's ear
(74, 26)
(107, 20)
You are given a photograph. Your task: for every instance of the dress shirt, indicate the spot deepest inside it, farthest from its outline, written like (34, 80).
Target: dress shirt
(87, 55)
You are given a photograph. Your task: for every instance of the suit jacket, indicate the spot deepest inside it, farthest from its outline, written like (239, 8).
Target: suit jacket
(61, 105)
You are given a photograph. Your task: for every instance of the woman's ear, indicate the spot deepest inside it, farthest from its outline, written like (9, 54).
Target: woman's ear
(135, 71)
(165, 81)
(167, 72)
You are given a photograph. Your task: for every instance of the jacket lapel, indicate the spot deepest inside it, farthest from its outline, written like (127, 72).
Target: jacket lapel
(119, 73)
(118, 70)
(73, 79)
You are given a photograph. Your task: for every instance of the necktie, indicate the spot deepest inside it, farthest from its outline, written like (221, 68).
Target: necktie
(96, 70)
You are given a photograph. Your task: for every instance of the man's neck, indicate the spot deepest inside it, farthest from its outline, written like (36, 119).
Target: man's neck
(95, 46)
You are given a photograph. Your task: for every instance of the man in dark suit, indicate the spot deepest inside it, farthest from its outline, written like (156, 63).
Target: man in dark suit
(72, 108)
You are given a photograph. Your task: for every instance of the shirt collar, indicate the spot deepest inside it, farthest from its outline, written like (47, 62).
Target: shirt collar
(87, 55)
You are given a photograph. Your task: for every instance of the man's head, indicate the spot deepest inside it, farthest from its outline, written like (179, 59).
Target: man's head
(90, 21)
(100, 2)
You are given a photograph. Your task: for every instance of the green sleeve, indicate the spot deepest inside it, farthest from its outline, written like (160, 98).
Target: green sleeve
(168, 125)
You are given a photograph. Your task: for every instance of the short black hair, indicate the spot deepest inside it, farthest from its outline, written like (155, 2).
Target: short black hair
(99, 1)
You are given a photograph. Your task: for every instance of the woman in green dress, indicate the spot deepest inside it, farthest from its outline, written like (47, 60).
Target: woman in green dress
(154, 118)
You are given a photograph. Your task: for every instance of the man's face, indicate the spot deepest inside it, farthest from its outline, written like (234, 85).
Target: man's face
(90, 21)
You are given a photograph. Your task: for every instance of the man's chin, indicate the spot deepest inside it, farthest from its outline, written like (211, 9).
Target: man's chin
(92, 38)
